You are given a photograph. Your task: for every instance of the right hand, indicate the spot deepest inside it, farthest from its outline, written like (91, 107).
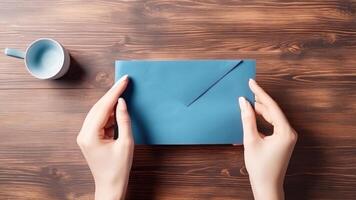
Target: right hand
(266, 157)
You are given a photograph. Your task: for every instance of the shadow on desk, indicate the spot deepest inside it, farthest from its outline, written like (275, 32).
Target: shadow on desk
(75, 73)
(144, 177)
(305, 167)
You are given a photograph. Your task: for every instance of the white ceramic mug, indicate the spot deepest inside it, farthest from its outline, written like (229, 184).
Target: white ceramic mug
(45, 58)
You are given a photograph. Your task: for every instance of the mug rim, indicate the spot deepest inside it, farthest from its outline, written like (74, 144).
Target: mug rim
(62, 58)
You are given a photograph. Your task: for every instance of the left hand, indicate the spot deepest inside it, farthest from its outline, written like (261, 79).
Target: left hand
(109, 160)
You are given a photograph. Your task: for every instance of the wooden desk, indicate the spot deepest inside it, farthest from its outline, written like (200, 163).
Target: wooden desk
(306, 59)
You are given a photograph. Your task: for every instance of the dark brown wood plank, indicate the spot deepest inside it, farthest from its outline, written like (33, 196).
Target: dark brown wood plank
(305, 52)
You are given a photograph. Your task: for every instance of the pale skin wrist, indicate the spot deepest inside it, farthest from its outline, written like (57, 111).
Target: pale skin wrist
(111, 189)
(103, 192)
(267, 191)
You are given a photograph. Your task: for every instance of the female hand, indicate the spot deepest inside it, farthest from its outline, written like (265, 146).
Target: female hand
(109, 160)
(266, 157)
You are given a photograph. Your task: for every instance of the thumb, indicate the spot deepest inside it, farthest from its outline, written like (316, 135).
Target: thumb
(123, 121)
(248, 121)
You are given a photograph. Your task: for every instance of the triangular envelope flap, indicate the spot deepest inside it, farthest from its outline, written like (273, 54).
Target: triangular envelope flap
(191, 78)
(205, 74)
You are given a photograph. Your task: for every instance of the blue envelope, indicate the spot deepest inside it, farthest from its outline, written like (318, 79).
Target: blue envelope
(186, 101)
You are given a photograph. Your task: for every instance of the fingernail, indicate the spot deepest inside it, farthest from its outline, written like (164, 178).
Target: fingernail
(122, 104)
(242, 102)
(124, 78)
(252, 81)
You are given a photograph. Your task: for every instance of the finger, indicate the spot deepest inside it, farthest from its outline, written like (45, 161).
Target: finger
(124, 121)
(248, 121)
(261, 110)
(273, 113)
(106, 104)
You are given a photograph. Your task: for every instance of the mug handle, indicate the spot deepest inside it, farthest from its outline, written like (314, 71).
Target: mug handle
(15, 53)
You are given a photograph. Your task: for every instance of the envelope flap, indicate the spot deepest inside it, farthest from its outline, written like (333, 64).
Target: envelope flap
(205, 75)
(184, 80)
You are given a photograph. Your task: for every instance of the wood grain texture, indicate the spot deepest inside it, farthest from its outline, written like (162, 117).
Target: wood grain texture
(305, 52)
